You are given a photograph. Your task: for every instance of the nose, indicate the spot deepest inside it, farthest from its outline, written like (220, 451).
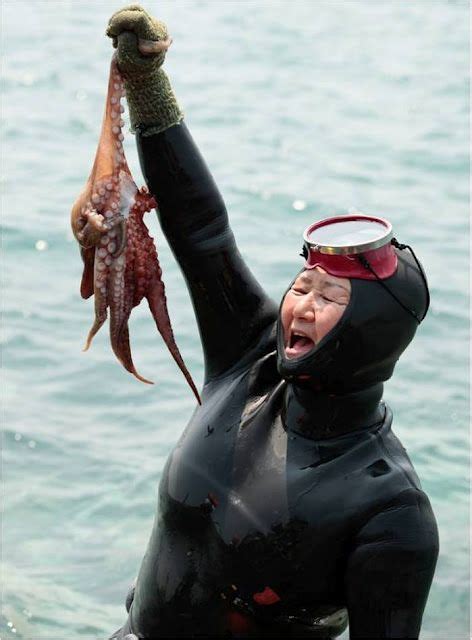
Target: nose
(305, 308)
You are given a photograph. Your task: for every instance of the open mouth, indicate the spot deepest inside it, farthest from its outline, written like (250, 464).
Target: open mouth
(298, 345)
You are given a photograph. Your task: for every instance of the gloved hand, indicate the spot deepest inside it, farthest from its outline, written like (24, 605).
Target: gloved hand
(141, 43)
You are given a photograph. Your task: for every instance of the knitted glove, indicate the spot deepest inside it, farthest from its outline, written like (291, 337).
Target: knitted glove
(151, 101)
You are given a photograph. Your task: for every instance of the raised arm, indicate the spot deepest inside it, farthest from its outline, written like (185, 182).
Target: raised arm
(232, 309)
(391, 568)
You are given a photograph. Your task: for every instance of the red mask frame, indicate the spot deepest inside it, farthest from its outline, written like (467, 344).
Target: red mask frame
(323, 247)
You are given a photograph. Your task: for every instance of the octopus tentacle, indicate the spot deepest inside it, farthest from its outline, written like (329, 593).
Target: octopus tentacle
(86, 285)
(120, 229)
(102, 262)
(122, 351)
(100, 317)
(158, 305)
(94, 227)
(120, 258)
(121, 303)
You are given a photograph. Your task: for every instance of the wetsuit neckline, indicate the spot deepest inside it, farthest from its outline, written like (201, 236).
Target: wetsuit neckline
(319, 415)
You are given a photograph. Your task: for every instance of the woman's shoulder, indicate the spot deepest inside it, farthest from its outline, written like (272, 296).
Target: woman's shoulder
(387, 482)
(402, 506)
(395, 457)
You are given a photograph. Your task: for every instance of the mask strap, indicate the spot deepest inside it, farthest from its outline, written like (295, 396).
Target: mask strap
(365, 263)
(400, 246)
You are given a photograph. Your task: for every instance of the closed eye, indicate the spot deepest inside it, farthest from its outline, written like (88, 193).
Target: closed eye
(340, 302)
(301, 292)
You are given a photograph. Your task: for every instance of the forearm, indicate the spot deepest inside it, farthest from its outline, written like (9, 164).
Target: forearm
(191, 210)
(230, 306)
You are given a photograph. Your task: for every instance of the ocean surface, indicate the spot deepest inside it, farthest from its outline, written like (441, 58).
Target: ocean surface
(302, 109)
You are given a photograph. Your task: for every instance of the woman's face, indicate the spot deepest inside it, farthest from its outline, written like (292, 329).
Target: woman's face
(311, 308)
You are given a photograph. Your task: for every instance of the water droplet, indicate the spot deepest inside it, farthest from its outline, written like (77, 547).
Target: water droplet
(18, 436)
(299, 205)
(10, 624)
(27, 79)
(41, 245)
(31, 444)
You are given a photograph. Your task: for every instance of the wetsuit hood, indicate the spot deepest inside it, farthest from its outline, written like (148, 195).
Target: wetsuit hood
(364, 346)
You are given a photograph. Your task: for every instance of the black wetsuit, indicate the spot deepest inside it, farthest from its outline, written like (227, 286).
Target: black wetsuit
(280, 508)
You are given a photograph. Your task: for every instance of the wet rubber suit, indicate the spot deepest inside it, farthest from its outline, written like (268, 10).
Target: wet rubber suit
(286, 506)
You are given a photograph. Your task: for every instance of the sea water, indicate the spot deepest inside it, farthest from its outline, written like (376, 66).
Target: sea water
(303, 109)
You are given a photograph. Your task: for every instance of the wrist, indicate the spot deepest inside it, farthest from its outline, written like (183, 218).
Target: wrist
(152, 104)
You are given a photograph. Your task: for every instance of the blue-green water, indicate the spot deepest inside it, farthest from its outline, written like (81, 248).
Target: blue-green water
(302, 109)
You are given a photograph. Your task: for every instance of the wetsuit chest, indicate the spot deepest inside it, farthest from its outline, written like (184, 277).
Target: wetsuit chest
(249, 503)
(232, 457)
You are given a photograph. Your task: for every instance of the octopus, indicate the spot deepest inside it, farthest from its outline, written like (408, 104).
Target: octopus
(121, 265)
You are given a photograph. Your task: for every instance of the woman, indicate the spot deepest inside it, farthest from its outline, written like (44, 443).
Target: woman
(288, 507)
